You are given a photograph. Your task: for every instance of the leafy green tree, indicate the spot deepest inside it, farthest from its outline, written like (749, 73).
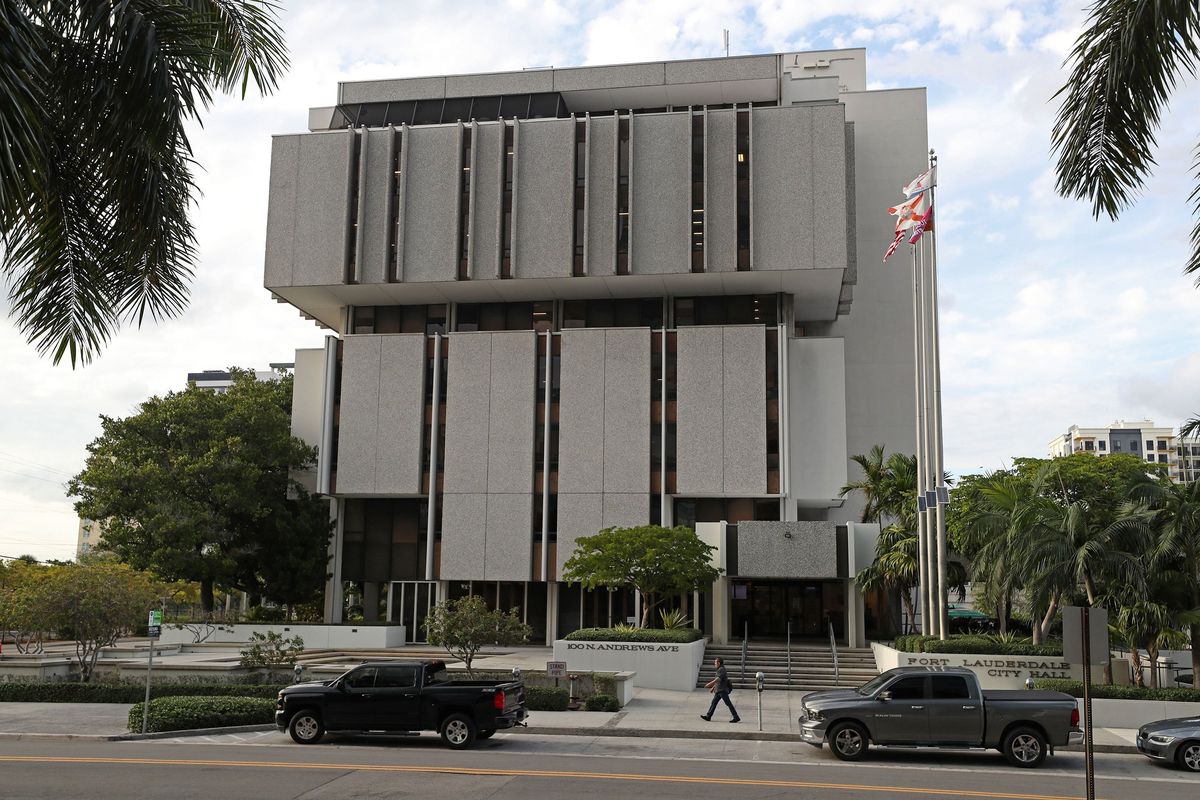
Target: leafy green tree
(19, 579)
(465, 625)
(1102, 484)
(1125, 65)
(96, 173)
(272, 652)
(657, 562)
(873, 484)
(194, 486)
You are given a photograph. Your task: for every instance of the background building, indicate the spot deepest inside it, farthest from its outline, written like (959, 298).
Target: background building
(89, 536)
(567, 299)
(220, 380)
(1141, 438)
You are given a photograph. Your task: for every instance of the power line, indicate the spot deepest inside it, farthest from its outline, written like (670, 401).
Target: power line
(56, 482)
(28, 463)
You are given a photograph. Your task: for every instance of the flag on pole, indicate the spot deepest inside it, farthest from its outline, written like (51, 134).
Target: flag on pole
(926, 180)
(909, 213)
(924, 224)
(895, 243)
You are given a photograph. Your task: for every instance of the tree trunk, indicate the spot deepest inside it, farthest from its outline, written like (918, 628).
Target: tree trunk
(1090, 587)
(1152, 653)
(1139, 679)
(206, 596)
(647, 607)
(1005, 602)
(910, 614)
(1041, 631)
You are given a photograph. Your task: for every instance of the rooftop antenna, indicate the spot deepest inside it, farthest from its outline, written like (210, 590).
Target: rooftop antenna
(726, 31)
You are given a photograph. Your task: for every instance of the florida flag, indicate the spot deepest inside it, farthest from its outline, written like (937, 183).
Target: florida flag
(926, 180)
(910, 212)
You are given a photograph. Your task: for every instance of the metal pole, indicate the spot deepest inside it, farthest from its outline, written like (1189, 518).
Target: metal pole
(918, 386)
(929, 434)
(146, 703)
(1089, 762)
(939, 457)
(837, 680)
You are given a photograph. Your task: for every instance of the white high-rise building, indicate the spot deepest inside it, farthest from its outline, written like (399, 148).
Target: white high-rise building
(1141, 438)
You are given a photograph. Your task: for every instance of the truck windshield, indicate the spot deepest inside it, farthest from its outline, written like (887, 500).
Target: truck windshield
(872, 686)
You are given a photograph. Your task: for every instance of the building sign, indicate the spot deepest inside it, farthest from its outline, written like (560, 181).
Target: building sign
(628, 648)
(1021, 667)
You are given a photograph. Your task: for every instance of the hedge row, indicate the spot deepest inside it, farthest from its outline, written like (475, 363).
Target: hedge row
(1114, 692)
(917, 643)
(656, 635)
(601, 702)
(22, 692)
(546, 698)
(187, 713)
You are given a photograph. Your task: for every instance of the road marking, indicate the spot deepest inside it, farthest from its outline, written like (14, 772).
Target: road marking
(518, 773)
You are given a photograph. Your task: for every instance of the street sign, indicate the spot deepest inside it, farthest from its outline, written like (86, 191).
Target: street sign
(154, 625)
(1097, 635)
(556, 669)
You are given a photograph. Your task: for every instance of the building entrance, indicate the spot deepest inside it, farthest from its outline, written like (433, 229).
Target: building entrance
(763, 609)
(408, 604)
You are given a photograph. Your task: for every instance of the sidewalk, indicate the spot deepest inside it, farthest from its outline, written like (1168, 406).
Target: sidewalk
(652, 713)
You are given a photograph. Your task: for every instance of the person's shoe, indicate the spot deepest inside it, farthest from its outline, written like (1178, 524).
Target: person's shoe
(736, 719)
(705, 717)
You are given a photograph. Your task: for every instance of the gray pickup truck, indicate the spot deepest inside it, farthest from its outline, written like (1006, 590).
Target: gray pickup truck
(932, 707)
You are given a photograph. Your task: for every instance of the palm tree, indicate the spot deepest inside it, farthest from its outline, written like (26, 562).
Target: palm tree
(95, 163)
(872, 483)
(1126, 63)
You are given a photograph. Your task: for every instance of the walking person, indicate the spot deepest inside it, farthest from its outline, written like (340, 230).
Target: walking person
(720, 686)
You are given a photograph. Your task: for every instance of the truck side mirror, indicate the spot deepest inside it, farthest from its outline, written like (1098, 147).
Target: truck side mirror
(884, 696)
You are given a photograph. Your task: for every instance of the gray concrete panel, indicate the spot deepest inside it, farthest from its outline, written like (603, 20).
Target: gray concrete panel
(401, 414)
(623, 76)
(601, 196)
(464, 536)
(581, 437)
(626, 400)
(720, 192)
(722, 69)
(745, 416)
(817, 427)
(700, 410)
(781, 167)
(578, 515)
(765, 551)
(509, 543)
(468, 401)
(829, 186)
(511, 412)
(626, 510)
(358, 434)
(480, 85)
(281, 211)
(431, 207)
(661, 211)
(487, 147)
(544, 213)
(401, 89)
(322, 203)
(375, 191)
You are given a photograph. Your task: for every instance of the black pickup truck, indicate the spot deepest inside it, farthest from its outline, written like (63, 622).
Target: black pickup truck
(401, 696)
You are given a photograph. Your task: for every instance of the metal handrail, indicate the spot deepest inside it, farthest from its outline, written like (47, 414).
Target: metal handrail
(833, 649)
(745, 635)
(789, 653)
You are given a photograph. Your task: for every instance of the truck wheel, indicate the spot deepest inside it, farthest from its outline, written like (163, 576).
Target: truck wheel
(306, 727)
(486, 734)
(1025, 747)
(848, 741)
(1189, 756)
(458, 731)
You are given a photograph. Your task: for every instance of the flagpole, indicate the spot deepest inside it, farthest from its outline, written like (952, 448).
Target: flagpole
(919, 407)
(927, 438)
(939, 455)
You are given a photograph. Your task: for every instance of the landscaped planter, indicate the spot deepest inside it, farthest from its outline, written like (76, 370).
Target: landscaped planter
(655, 665)
(314, 636)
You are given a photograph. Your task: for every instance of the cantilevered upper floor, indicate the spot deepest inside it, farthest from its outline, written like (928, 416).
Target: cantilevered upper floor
(712, 176)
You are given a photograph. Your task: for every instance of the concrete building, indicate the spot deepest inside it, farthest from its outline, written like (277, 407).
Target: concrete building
(220, 380)
(88, 537)
(1141, 438)
(567, 299)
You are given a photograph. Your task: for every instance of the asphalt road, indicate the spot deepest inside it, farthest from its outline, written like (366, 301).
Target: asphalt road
(262, 767)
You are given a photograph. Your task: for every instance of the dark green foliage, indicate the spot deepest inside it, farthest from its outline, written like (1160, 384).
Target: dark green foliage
(1075, 689)
(546, 698)
(625, 634)
(21, 692)
(190, 712)
(982, 645)
(601, 702)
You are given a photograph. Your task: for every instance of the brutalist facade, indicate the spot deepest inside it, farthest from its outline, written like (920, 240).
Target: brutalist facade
(568, 299)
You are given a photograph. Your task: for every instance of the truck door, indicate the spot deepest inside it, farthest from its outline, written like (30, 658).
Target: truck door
(397, 700)
(351, 708)
(903, 718)
(955, 717)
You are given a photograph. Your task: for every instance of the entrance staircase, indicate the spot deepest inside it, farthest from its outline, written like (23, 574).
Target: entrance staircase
(812, 666)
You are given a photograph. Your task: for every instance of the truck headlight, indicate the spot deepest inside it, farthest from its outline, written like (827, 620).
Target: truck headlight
(814, 715)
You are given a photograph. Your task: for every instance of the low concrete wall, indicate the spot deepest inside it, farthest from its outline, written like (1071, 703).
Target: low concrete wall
(327, 636)
(995, 672)
(24, 668)
(655, 666)
(1135, 713)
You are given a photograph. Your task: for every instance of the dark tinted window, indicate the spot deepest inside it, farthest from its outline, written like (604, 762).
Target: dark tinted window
(950, 687)
(361, 678)
(455, 109)
(485, 108)
(908, 688)
(429, 112)
(396, 678)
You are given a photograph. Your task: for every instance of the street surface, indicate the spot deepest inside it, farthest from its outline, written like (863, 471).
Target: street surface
(266, 766)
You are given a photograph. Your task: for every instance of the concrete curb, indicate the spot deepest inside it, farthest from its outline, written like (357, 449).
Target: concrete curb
(128, 737)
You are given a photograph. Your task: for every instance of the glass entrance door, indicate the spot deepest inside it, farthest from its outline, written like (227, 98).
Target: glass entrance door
(763, 609)
(409, 603)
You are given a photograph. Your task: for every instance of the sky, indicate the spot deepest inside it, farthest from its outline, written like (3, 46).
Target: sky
(1049, 317)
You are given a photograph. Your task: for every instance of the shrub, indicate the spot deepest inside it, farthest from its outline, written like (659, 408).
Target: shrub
(546, 698)
(186, 713)
(602, 702)
(1103, 692)
(984, 645)
(274, 652)
(682, 636)
(21, 692)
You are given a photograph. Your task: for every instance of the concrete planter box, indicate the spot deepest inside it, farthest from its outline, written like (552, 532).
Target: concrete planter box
(654, 665)
(32, 668)
(338, 637)
(994, 671)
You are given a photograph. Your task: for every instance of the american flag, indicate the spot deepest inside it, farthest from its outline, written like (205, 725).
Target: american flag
(895, 243)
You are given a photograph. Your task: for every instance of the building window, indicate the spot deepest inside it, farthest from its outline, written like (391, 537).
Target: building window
(506, 234)
(697, 193)
(537, 316)
(623, 220)
(580, 189)
(746, 309)
(1116, 445)
(1133, 445)
(1162, 444)
(1162, 458)
(1103, 446)
(1087, 445)
(464, 207)
(743, 190)
(352, 239)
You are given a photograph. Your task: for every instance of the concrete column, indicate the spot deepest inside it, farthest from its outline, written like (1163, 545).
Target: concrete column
(370, 601)
(551, 613)
(334, 602)
(720, 610)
